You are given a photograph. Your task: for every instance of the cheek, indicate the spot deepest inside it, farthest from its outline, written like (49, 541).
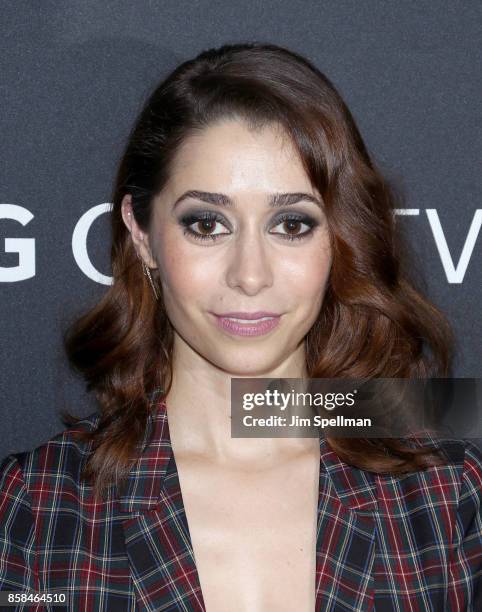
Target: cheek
(305, 274)
(185, 275)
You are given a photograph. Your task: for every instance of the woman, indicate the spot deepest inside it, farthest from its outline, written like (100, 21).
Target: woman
(245, 193)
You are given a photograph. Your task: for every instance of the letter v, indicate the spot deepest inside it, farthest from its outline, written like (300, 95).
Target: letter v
(454, 274)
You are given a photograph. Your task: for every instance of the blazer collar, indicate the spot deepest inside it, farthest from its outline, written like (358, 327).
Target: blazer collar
(141, 490)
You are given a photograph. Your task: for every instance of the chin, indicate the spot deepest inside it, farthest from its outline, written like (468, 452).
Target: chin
(248, 367)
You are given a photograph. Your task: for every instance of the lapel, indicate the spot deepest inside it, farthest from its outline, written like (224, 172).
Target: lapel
(156, 532)
(159, 547)
(345, 545)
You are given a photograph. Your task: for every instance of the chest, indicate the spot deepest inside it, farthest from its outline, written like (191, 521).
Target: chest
(254, 535)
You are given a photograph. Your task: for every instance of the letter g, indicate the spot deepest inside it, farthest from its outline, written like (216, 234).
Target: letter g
(25, 247)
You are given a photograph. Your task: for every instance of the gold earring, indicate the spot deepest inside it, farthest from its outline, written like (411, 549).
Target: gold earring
(147, 273)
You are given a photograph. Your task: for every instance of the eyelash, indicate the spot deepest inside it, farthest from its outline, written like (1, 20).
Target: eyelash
(189, 220)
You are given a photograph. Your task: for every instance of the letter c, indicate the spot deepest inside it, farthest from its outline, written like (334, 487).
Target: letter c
(79, 243)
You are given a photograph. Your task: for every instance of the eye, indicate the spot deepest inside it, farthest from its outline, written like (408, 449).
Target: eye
(204, 224)
(293, 223)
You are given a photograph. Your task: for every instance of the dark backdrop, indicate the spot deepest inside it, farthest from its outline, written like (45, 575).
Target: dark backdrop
(73, 76)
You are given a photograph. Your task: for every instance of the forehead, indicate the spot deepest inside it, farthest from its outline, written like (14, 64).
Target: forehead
(229, 155)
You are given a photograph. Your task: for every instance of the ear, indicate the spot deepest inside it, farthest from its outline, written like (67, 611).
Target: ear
(139, 238)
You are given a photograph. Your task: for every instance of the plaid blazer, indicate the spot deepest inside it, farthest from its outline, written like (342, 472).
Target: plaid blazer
(384, 543)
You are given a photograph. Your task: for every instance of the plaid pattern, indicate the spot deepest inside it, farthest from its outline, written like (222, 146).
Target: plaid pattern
(384, 543)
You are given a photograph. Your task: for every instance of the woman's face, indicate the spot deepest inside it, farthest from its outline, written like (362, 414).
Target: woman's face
(237, 255)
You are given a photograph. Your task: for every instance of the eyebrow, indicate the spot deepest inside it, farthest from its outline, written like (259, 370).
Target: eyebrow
(220, 199)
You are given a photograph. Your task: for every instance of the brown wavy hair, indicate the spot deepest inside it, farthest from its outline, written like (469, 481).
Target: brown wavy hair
(374, 322)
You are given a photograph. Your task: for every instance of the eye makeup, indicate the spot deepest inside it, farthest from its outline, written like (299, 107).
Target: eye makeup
(208, 219)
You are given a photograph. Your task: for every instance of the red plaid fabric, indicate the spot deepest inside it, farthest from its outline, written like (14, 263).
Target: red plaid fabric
(408, 543)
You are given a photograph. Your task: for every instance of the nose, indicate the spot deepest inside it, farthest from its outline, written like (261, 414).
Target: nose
(249, 266)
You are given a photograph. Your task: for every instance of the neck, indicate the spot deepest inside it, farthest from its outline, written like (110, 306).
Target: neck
(199, 413)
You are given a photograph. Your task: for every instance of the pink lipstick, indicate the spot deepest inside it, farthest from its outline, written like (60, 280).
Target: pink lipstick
(247, 323)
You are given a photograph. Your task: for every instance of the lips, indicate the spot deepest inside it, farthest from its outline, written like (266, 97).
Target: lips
(247, 324)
